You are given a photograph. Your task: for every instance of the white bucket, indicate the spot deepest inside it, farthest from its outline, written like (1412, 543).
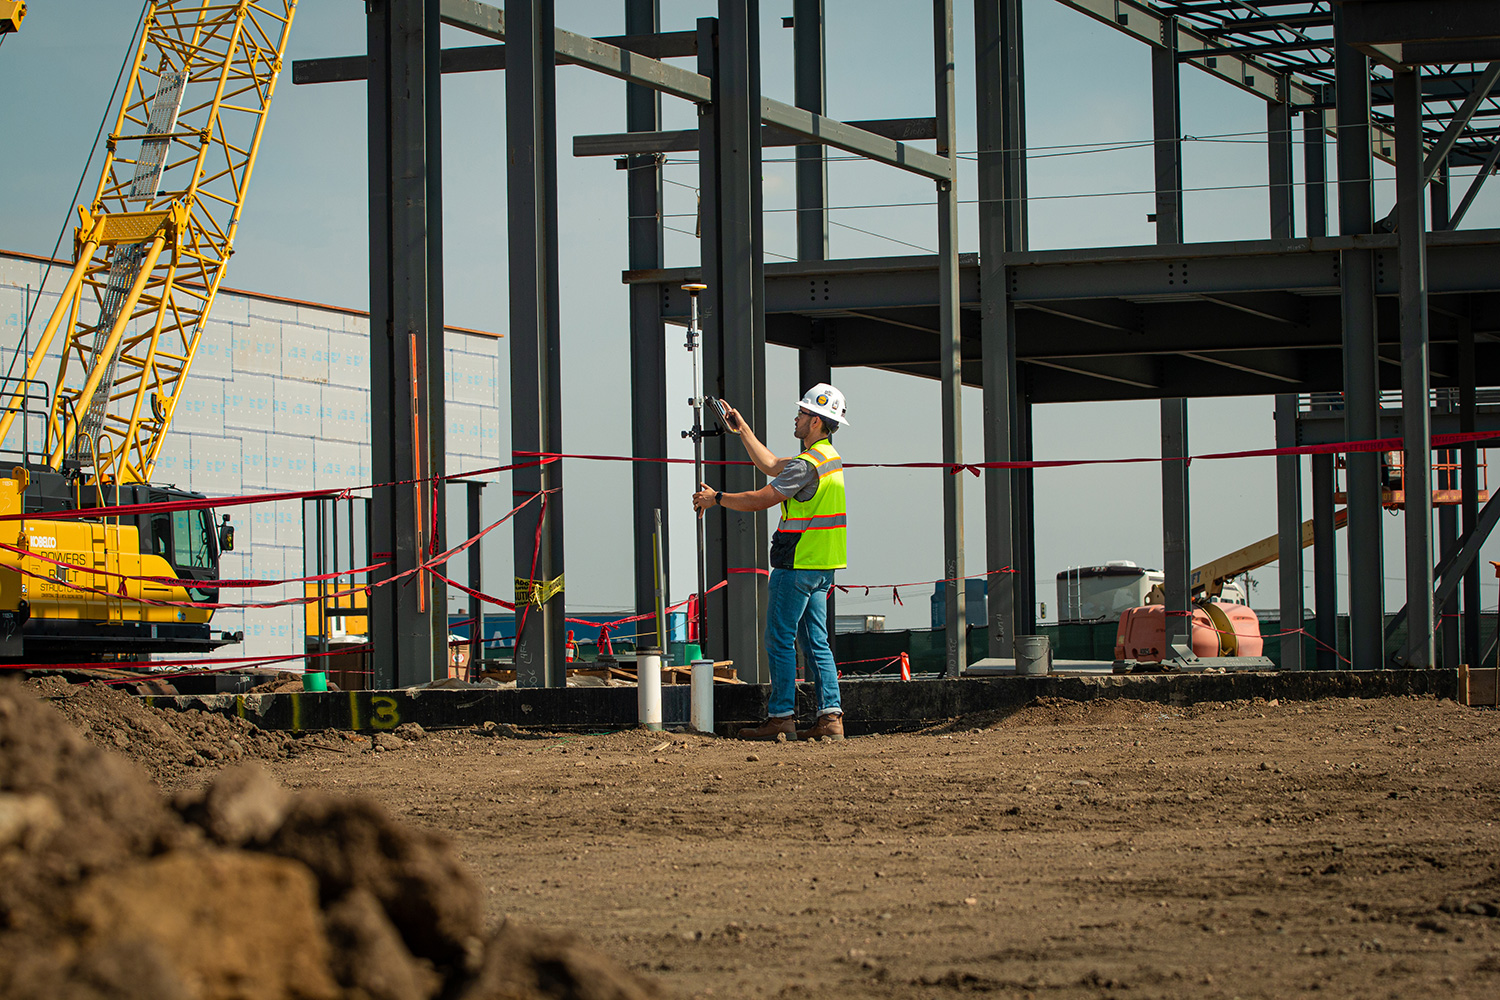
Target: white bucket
(1033, 655)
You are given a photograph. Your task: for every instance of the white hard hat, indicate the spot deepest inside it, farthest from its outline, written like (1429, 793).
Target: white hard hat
(826, 401)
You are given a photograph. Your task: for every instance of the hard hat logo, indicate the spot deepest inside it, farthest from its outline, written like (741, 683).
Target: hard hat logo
(826, 401)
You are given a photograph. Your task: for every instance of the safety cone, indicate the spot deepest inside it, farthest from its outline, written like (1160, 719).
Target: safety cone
(905, 667)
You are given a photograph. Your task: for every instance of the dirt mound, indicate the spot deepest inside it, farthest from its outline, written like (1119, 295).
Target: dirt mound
(1056, 712)
(166, 744)
(281, 684)
(239, 889)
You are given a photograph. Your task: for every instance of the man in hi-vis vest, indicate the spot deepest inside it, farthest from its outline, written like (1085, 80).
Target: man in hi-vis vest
(808, 546)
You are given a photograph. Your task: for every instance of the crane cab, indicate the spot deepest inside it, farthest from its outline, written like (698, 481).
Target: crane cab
(87, 588)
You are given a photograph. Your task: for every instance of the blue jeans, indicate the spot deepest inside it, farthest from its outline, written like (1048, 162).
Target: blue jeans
(798, 611)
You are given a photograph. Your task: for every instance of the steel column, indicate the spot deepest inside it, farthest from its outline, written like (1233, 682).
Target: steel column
(1361, 379)
(1325, 555)
(1024, 532)
(409, 628)
(1315, 173)
(535, 341)
(1000, 104)
(1450, 622)
(1416, 406)
(1289, 530)
(950, 346)
(1288, 467)
(476, 577)
(648, 343)
(1166, 128)
(809, 78)
(1279, 169)
(813, 363)
(734, 334)
(715, 637)
(1166, 119)
(1469, 483)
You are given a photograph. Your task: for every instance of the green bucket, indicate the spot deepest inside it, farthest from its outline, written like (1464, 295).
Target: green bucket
(315, 680)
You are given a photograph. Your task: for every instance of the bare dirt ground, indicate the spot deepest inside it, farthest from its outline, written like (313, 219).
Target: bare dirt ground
(1111, 849)
(1122, 849)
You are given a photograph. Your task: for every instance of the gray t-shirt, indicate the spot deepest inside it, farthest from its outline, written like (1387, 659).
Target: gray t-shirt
(798, 481)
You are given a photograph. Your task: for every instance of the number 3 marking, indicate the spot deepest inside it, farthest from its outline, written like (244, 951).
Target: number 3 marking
(385, 715)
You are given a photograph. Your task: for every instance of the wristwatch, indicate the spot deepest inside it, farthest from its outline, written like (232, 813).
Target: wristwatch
(719, 499)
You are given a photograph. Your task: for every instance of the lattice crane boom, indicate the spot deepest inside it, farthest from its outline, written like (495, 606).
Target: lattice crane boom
(152, 247)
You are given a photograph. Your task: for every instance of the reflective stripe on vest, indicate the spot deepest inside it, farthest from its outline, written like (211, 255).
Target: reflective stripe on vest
(818, 526)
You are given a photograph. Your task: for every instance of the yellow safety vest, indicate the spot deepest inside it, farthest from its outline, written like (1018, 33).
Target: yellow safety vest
(812, 534)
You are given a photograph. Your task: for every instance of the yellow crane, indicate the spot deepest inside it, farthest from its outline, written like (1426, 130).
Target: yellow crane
(149, 254)
(12, 13)
(152, 246)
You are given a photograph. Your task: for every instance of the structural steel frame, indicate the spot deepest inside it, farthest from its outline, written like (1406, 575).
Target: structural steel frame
(1333, 318)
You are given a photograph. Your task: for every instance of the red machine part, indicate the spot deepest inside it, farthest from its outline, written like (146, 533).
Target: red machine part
(1218, 630)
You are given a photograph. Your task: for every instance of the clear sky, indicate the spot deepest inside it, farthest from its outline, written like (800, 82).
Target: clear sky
(303, 235)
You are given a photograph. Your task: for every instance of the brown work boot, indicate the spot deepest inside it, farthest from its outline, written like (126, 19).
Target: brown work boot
(772, 729)
(829, 726)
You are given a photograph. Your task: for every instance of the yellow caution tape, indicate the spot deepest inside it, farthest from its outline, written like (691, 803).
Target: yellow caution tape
(537, 592)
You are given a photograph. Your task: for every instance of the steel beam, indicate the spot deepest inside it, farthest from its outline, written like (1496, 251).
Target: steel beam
(409, 627)
(486, 58)
(622, 64)
(1001, 109)
(1150, 25)
(843, 136)
(1473, 192)
(1361, 379)
(648, 345)
(535, 341)
(950, 348)
(686, 140)
(1325, 426)
(1416, 426)
(1412, 32)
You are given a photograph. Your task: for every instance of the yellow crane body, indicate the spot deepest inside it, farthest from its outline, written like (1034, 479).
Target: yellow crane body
(149, 254)
(12, 13)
